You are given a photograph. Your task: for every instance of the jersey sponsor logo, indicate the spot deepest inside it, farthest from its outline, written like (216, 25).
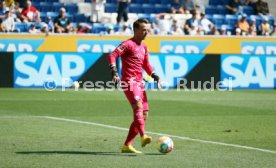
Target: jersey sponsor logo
(34, 69)
(20, 45)
(258, 48)
(184, 47)
(97, 46)
(121, 48)
(249, 72)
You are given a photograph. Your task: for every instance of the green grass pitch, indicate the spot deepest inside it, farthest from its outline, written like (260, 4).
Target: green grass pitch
(29, 140)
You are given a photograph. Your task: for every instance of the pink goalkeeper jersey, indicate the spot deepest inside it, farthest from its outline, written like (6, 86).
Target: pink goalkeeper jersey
(135, 58)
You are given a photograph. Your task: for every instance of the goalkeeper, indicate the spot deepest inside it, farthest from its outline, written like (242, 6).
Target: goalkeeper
(135, 58)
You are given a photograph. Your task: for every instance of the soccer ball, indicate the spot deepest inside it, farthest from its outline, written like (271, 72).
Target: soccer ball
(164, 144)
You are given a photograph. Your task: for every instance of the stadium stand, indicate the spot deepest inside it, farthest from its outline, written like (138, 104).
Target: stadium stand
(80, 10)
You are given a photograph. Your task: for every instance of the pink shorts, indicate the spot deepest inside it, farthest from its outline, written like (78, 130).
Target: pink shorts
(135, 92)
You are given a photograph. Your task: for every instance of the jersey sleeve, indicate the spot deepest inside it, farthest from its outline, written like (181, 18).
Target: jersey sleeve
(146, 65)
(119, 51)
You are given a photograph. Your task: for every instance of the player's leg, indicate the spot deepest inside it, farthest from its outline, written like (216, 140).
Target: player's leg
(145, 139)
(132, 94)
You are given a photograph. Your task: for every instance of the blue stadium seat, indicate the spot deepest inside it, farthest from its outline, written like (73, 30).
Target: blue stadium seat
(79, 17)
(98, 28)
(222, 10)
(110, 8)
(216, 2)
(210, 17)
(39, 1)
(228, 28)
(45, 6)
(36, 5)
(139, 1)
(148, 8)
(53, 15)
(71, 8)
(21, 27)
(165, 2)
(218, 19)
(211, 10)
(231, 20)
(43, 16)
(135, 8)
(271, 20)
(52, 1)
(226, 2)
(160, 8)
(248, 10)
(57, 6)
(154, 2)
(258, 19)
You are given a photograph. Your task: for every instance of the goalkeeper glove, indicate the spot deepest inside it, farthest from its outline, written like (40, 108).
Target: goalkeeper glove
(114, 74)
(155, 77)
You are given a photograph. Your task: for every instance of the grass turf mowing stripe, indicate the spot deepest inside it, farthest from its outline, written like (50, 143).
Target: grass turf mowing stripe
(161, 134)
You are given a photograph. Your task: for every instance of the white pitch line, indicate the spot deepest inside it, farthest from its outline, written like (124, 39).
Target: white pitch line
(160, 134)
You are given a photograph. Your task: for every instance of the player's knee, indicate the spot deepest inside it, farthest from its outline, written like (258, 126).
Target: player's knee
(137, 105)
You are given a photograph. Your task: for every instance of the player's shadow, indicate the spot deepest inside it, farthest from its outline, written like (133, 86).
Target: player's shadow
(74, 153)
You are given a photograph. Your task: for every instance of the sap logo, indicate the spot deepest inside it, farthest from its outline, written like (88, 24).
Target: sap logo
(181, 47)
(258, 48)
(94, 46)
(34, 70)
(249, 71)
(173, 66)
(16, 45)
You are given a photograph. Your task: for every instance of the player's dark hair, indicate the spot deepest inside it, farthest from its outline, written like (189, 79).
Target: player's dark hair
(136, 24)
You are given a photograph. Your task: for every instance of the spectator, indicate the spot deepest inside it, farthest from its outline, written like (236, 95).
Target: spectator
(175, 29)
(44, 28)
(110, 29)
(50, 24)
(122, 10)
(125, 30)
(251, 32)
(194, 20)
(83, 28)
(63, 23)
(97, 10)
(2, 10)
(205, 24)
(176, 7)
(9, 3)
(163, 23)
(8, 22)
(17, 11)
(243, 24)
(252, 25)
(153, 29)
(234, 7)
(191, 5)
(194, 30)
(214, 31)
(261, 8)
(33, 29)
(265, 27)
(223, 31)
(29, 13)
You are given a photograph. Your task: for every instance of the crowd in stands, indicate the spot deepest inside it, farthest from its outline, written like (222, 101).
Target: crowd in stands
(167, 17)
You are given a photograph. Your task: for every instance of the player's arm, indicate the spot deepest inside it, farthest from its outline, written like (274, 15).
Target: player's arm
(120, 50)
(148, 68)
